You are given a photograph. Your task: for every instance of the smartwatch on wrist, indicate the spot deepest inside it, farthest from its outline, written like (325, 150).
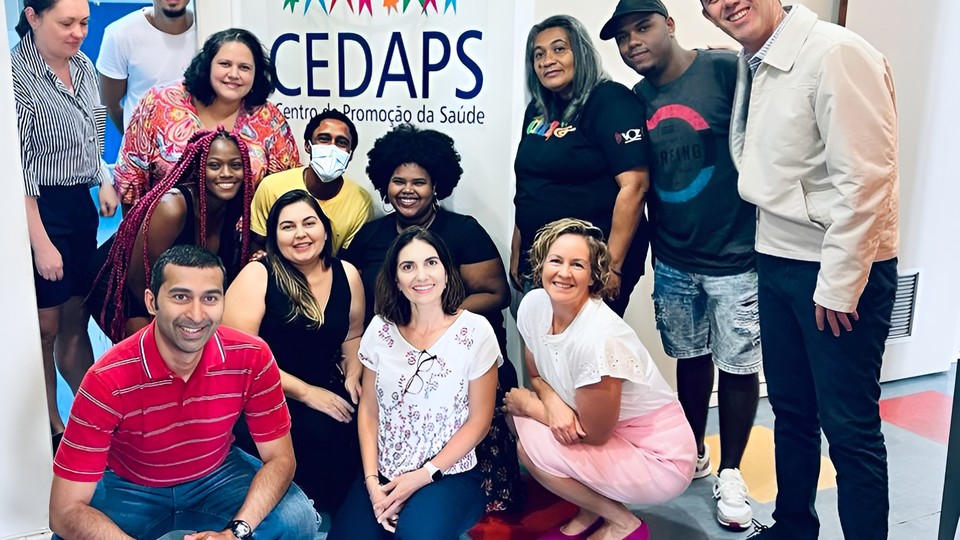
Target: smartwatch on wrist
(435, 473)
(240, 529)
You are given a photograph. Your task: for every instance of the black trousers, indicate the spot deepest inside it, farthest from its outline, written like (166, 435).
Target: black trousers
(817, 381)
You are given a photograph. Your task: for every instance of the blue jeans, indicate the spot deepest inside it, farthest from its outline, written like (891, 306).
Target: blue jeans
(817, 381)
(699, 314)
(208, 503)
(442, 510)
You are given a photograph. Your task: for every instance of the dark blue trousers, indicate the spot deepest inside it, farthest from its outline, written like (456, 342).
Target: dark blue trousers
(441, 510)
(817, 381)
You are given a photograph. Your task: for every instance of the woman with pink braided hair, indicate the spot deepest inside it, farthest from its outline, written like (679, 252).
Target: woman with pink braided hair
(200, 201)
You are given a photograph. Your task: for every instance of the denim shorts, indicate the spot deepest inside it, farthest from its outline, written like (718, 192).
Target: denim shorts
(699, 314)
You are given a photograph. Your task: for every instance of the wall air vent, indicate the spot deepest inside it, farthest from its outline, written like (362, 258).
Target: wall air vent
(904, 306)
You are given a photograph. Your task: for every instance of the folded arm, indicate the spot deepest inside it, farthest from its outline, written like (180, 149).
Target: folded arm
(598, 406)
(486, 285)
(544, 405)
(71, 515)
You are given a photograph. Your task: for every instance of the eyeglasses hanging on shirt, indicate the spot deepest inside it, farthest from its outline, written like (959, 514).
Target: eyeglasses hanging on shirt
(416, 383)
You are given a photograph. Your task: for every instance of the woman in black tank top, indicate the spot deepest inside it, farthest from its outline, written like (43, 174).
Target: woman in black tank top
(308, 307)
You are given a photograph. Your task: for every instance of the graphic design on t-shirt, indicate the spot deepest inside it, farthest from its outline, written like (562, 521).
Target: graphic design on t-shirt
(629, 136)
(538, 127)
(684, 152)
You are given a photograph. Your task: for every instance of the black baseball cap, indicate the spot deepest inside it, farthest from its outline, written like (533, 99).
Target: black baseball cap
(625, 7)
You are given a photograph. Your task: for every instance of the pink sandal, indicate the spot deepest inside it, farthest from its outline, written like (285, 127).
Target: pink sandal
(557, 534)
(640, 533)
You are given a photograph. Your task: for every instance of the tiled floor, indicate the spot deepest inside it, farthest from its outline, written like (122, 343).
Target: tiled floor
(916, 416)
(916, 419)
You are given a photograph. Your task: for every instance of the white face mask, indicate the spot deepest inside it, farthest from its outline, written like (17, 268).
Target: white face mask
(328, 161)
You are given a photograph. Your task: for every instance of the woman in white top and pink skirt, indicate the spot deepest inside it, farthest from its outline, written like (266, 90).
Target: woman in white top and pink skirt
(600, 428)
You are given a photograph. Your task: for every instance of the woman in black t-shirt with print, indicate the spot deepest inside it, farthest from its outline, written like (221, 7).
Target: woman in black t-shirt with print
(583, 154)
(413, 170)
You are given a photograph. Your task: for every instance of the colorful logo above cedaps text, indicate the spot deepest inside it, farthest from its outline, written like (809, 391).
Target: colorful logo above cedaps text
(391, 6)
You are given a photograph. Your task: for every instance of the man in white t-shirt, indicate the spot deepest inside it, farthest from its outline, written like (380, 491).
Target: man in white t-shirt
(148, 47)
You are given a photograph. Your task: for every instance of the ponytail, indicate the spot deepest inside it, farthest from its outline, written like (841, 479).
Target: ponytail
(38, 7)
(23, 26)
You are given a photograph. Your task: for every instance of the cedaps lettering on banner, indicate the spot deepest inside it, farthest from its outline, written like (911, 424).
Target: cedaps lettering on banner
(354, 53)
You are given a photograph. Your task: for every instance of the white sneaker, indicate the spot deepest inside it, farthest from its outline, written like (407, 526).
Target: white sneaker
(703, 464)
(733, 508)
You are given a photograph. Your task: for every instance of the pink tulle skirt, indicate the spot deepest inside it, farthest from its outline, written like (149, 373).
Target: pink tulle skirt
(648, 460)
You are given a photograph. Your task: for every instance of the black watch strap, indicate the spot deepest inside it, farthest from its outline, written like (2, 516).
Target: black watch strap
(241, 529)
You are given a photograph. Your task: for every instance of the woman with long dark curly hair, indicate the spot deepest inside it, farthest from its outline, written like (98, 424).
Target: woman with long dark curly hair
(200, 201)
(413, 169)
(226, 84)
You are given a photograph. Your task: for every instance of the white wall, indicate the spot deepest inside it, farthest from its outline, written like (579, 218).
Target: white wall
(486, 189)
(919, 50)
(911, 54)
(693, 30)
(25, 454)
(923, 50)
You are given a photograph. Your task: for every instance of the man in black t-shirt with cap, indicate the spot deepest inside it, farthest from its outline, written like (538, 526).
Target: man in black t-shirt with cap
(705, 285)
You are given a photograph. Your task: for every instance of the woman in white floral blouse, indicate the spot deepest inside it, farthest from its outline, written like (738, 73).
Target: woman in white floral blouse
(430, 379)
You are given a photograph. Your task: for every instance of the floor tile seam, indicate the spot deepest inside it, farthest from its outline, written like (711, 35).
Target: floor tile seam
(908, 520)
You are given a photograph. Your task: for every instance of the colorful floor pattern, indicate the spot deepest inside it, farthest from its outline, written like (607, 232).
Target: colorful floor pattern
(916, 415)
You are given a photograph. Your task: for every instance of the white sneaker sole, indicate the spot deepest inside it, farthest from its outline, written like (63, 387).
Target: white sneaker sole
(739, 523)
(707, 467)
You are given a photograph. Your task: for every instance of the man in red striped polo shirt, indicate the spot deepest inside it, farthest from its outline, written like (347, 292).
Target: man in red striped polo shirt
(147, 448)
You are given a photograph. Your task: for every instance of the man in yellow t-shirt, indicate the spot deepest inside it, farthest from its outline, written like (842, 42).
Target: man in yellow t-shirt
(330, 138)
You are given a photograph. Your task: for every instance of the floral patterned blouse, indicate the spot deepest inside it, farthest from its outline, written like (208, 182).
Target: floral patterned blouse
(422, 394)
(162, 124)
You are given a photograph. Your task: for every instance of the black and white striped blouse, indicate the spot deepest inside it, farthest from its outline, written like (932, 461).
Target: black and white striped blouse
(61, 133)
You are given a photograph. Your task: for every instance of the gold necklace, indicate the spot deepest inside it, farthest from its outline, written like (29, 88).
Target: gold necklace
(425, 225)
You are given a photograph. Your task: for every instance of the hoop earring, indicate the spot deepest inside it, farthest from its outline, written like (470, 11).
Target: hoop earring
(387, 207)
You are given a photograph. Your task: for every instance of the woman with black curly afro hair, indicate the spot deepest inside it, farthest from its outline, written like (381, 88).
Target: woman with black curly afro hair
(413, 170)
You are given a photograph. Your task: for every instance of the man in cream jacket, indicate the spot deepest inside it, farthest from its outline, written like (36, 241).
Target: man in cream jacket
(814, 136)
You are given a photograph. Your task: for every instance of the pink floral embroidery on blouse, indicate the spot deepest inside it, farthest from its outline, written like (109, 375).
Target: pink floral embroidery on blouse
(162, 124)
(464, 338)
(384, 334)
